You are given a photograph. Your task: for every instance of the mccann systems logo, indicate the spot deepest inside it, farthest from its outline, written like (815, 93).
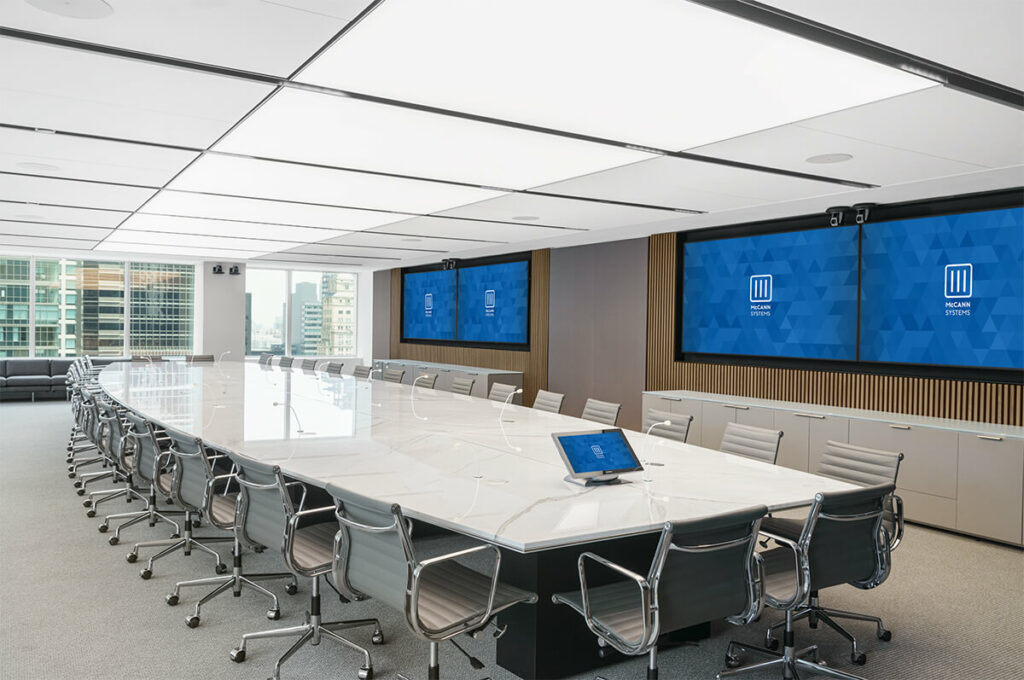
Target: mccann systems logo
(489, 302)
(761, 295)
(597, 451)
(428, 304)
(958, 288)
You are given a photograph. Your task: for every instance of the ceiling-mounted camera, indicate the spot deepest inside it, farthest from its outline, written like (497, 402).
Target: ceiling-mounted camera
(835, 215)
(863, 211)
(234, 271)
(217, 269)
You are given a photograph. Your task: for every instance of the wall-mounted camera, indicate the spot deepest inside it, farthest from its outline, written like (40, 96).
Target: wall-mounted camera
(234, 271)
(449, 263)
(217, 269)
(835, 215)
(863, 211)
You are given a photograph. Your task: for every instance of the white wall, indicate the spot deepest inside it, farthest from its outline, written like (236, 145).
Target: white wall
(364, 316)
(221, 312)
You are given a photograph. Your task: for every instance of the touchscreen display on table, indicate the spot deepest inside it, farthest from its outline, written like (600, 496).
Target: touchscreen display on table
(598, 452)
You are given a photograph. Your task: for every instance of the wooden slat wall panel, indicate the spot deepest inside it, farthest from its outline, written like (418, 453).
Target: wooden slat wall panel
(959, 399)
(533, 364)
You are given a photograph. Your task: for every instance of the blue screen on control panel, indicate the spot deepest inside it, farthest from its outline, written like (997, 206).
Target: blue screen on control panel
(790, 294)
(428, 305)
(494, 303)
(600, 452)
(945, 290)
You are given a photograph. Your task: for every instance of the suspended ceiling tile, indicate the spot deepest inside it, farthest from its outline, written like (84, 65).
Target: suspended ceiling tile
(71, 192)
(190, 252)
(197, 241)
(471, 229)
(265, 37)
(262, 210)
(236, 176)
(200, 226)
(337, 249)
(37, 153)
(345, 132)
(670, 75)
(559, 212)
(87, 93)
(333, 262)
(52, 230)
(376, 238)
(45, 243)
(84, 217)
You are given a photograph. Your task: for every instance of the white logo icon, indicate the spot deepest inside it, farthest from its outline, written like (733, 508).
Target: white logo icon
(597, 451)
(488, 299)
(959, 280)
(428, 302)
(761, 288)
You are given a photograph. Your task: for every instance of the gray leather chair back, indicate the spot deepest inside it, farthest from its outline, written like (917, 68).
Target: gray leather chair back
(859, 464)
(265, 357)
(501, 391)
(844, 542)
(147, 453)
(462, 386)
(361, 371)
(426, 380)
(264, 503)
(548, 401)
(334, 367)
(601, 411)
(204, 358)
(393, 375)
(308, 364)
(373, 550)
(708, 570)
(678, 430)
(751, 442)
(192, 470)
(111, 432)
(285, 362)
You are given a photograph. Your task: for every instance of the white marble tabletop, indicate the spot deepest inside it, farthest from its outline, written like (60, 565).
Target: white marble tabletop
(455, 461)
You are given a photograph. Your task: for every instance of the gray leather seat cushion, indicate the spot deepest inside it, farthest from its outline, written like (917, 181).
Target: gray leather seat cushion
(29, 367)
(28, 381)
(224, 509)
(60, 366)
(451, 593)
(314, 545)
(58, 380)
(615, 607)
(164, 482)
(787, 527)
(3, 381)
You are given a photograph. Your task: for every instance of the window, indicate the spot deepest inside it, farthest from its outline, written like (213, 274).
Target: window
(14, 306)
(100, 306)
(309, 313)
(162, 301)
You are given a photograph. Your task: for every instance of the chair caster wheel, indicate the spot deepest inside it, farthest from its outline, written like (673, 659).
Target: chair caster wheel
(80, 491)
(365, 673)
(71, 475)
(145, 574)
(273, 614)
(291, 589)
(171, 600)
(238, 655)
(77, 483)
(113, 540)
(377, 638)
(732, 661)
(885, 635)
(131, 558)
(771, 643)
(87, 503)
(221, 568)
(859, 659)
(192, 621)
(90, 513)
(196, 523)
(102, 528)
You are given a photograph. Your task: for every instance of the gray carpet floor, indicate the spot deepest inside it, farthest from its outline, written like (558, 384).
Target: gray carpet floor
(72, 607)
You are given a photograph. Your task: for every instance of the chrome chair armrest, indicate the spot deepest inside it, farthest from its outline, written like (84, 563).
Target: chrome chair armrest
(302, 498)
(289, 536)
(645, 604)
(756, 605)
(803, 573)
(469, 623)
(210, 491)
(897, 512)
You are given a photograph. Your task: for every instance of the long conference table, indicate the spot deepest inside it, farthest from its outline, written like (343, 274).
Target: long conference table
(468, 465)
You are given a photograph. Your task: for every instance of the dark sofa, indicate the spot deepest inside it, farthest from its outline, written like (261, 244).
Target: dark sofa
(32, 378)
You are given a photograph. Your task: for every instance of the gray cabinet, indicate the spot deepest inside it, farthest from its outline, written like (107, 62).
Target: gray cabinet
(820, 430)
(989, 486)
(804, 436)
(715, 415)
(929, 463)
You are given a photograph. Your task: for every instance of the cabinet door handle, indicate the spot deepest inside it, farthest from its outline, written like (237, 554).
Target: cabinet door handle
(899, 427)
(737, 406)
(445, 370)
(671, 398)
(990, 437)
(468, 373)
(810, 415)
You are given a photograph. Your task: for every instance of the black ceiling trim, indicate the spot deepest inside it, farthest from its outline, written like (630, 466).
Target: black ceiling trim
(337, 36)
(868, 49)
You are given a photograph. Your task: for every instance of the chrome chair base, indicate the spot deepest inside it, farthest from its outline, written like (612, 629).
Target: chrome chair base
(235, 581)
(313, 631)
(187, 543)
(813, 612)
(150, 513)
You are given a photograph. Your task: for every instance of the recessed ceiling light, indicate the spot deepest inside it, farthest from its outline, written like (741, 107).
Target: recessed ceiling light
(526, 218)
(37, 167)
(74, 9)
(829, 158)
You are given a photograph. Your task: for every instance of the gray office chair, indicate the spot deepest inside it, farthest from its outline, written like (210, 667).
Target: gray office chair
(865, 467)
(601, 411)
(426, 380)
(188, 491)
(308, 365)
(548, 401)
(202, 358)
(374, 556)
(679, 429)
(393, 375)
(219, 507)
(113, 443)
(703, 570)
(758, 443)
(285, 362)
(265, 358)
(271, 517)
(462, 386)
(334, 367)
(361, 371)
(842, 541)
(501, 391)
